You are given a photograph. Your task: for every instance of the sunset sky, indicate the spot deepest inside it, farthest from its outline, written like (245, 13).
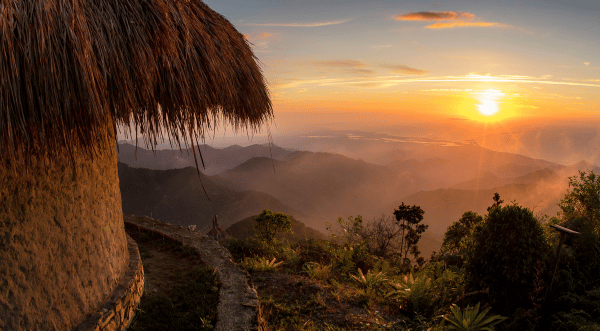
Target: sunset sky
(422, 61)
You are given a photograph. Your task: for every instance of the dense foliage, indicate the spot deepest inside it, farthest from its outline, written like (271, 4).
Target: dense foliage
(583, 200)
(459, 230)
(494, 271)
(502, 255)
(268, 224)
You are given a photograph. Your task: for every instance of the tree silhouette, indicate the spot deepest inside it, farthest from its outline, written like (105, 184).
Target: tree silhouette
(409, 217)
(497, 201)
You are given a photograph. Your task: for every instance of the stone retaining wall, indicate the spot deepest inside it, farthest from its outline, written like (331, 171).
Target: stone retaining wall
(238, 307)
(119, 310)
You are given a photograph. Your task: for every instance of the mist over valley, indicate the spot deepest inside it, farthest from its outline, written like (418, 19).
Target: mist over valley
(321, 176)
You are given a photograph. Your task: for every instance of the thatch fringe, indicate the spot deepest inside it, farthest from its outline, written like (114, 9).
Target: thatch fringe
(68, 68)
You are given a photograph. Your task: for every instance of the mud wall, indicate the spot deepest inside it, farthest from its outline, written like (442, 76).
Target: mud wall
(117, 313)
(63, 247)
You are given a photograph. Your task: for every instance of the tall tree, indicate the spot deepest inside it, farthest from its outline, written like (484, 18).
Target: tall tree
(409, 219)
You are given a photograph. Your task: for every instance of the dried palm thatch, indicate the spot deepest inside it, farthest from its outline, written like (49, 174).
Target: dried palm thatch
(70, 68)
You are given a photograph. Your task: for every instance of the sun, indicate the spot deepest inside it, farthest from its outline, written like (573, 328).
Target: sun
(488, 102)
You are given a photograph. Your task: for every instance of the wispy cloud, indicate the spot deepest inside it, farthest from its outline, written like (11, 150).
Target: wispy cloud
(450, 25)
(455, 19)
(434, 16)
(350, 66)
(586, 64)
(390, 81)
(341, 63)
(260, 41)
(381, 46)
(300, 24)
(260, 35)
(400, 68)
(447, 90)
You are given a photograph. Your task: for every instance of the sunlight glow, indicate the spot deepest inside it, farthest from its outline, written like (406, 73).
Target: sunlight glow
(488, 102)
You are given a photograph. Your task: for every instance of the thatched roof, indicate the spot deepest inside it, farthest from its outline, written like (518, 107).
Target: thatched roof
(69, 68)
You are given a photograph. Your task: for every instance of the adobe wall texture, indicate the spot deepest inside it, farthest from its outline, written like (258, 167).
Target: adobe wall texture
(63, 247)
(117, 313)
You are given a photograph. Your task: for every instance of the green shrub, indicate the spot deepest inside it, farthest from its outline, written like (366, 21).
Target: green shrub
(343, 264)
(575, 319)
(503, 253)
(471, 319)
(268, 224)
(260, 264)
(317, 271)
(351, 231)
(458, 231)
(369, 280)
(313, 250)
(251, 247)
(428, 292)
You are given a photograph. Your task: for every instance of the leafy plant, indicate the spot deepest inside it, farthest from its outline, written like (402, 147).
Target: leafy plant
(370, 280)
(471, 319)
(428, 293)
(260, 264)
(344, 262)
(316, 270)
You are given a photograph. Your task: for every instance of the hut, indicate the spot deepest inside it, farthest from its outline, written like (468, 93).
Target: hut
(71, 73)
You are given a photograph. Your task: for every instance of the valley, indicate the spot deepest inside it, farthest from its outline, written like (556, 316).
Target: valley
(316, 187)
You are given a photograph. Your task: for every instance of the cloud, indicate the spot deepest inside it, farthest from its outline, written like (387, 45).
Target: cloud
(265, 35)
(260, 35)
(260, 41)
(447, 90)
(405, 69)
(300, 24)
(341, 63)
(381, 46)
(451, 25)
(391, 81)
(434, 16)
(586, 64)
(457, 19)
(351, 66)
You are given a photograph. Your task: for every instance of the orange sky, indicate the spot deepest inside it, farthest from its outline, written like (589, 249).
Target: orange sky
(479, 61)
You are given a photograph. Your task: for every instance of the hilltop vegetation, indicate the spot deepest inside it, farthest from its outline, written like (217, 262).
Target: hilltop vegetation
(244, 229)
(494, 271)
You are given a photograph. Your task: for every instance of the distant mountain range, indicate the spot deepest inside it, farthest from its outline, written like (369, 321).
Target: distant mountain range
(444, 178)
(176, 196)
(321, 185)
(216, 160)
